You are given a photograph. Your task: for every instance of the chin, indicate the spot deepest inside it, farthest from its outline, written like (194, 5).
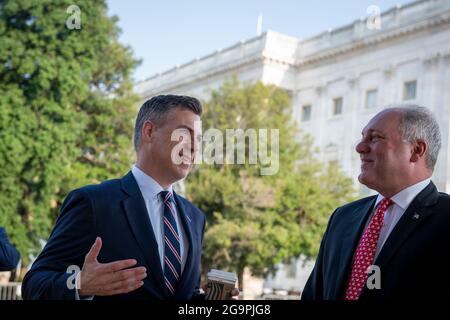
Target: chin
(181, 171)
(363, 179)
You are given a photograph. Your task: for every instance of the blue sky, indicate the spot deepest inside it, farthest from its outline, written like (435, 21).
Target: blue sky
(166, 33)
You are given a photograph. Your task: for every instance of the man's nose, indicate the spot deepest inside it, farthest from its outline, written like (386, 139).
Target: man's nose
(195, 146)
(362, 147)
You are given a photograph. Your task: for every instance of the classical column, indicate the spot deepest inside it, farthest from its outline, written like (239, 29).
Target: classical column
(321, 105)
(432, 96)
(352, 106)
(442, 113)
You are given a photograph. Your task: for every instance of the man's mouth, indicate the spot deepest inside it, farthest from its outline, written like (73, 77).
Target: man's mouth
(186, 159)
(366, 161)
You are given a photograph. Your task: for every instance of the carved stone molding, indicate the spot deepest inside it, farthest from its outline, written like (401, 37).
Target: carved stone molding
(388, 71)
(446, 56)
(432, 60)
(321, 89)
(352, 80)
(374, 40)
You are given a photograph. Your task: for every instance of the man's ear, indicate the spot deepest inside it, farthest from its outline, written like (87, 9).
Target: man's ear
(419, 148)
(147, 131)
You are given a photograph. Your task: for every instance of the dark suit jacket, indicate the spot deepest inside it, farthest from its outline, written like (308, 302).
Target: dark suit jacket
(114, 210)
(414, 261)
(9, 256)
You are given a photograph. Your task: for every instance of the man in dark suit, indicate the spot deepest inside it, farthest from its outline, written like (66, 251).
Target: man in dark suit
(133, 238)
(394, 245)
(9, 256)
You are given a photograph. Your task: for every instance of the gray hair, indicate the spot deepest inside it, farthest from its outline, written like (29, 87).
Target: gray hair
(157, 108)
(419, 122)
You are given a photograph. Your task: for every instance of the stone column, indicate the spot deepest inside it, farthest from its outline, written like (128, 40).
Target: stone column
(321, 104)
(432, 97)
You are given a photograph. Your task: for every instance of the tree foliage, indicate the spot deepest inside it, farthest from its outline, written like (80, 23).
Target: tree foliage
(66, 109)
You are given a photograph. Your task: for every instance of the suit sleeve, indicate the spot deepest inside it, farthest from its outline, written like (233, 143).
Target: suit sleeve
(9, 256)
(52, 274)
(197, 296)
(314, 286)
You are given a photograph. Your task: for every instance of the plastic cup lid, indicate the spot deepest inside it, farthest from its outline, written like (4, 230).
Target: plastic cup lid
(220, 275)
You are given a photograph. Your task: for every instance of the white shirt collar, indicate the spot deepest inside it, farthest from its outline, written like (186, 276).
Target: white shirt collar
(404, 198)
(149, 187)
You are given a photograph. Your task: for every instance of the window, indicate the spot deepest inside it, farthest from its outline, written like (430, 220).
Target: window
(371, 98)
(306, 112)
(409, 90)
(337, 106)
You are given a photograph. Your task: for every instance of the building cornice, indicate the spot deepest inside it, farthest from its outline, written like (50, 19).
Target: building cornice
(263, 50)
(195, 78)
(373, 40)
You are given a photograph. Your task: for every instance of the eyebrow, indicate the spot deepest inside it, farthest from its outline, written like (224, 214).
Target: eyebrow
(183, 126)
(370, 131)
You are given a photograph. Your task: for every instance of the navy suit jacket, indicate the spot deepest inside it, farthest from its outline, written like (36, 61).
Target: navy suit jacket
(114, 210)
(414, 261)
(9, 256)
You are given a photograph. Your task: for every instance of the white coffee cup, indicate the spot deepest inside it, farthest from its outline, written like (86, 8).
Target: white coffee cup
(220, 284)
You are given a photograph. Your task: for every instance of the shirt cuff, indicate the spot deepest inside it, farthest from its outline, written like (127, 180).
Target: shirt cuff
(77, 296)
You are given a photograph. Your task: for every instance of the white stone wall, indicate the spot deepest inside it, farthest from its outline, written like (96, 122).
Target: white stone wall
(290, 277)
(386, 70)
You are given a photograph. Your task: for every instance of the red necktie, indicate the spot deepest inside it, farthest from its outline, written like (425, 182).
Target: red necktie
(365, 253)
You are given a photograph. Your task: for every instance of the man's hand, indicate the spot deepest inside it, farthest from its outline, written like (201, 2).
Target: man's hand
(105, 279)
(234, 293)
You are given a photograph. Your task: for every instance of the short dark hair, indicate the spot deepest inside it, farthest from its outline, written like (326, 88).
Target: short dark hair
(157, 109)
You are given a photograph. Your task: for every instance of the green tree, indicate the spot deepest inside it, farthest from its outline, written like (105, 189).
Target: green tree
(256, 220)
(66, 109)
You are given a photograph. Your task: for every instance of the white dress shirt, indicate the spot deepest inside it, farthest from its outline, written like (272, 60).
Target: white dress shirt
(155, 209)
(401, 202)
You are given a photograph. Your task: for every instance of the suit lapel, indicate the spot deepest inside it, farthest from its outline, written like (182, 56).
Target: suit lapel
(139, 221)
(415, 215)
(349, 243)
(186, 219)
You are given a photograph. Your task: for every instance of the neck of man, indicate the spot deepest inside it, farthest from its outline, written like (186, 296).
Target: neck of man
(154, 172)
(388, 193)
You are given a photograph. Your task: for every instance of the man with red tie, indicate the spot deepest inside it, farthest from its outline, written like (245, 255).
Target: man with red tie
(396, 244)
(134, 237)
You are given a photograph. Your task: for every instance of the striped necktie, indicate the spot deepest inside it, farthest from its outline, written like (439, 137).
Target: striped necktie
(172, 256)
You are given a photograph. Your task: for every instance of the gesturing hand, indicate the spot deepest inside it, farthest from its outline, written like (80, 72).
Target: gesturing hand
(105, 279)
